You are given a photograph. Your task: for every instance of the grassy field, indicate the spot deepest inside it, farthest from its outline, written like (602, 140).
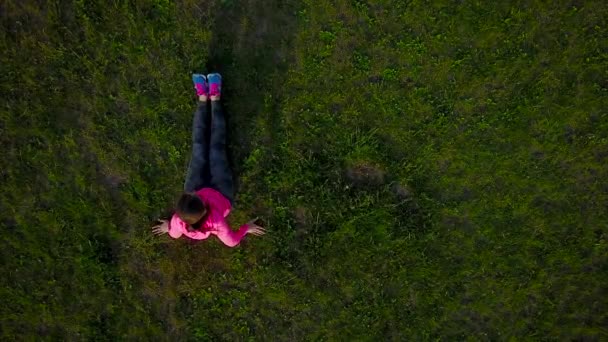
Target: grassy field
(427, 170)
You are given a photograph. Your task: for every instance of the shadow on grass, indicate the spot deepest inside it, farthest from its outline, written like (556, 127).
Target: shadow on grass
(251, 47)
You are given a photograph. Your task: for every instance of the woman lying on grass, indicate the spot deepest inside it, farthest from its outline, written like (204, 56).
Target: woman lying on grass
(203, 212)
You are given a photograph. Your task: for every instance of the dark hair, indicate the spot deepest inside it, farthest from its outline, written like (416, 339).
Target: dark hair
(190, 208)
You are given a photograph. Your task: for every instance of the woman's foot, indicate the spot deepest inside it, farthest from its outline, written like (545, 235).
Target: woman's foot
(200, 85)
(215, 86)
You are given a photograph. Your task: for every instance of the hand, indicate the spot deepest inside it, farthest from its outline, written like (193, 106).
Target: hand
(255, 229)
(161, 228)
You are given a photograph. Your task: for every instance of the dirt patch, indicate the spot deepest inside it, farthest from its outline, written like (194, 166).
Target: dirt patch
(336, 108)
(601, 155)
(403, 192)
(113, 181)
(457, 223)
(545, 204)
(302, 217)
(217, 265)
(569, 134)
(375, 79)
(9, 223)
(365, 175)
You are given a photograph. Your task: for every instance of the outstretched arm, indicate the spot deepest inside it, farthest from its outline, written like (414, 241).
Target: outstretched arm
(231, 238)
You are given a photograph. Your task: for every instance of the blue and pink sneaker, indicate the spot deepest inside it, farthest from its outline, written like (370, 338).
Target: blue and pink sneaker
(215, 84)
(200, 84)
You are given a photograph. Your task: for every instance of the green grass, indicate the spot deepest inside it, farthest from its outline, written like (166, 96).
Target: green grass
(426, 170)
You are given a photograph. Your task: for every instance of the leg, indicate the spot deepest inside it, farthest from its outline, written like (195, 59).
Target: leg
(199, 162)
(221, 175)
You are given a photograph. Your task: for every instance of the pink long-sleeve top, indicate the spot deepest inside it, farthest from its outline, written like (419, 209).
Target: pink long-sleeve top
(218, 208)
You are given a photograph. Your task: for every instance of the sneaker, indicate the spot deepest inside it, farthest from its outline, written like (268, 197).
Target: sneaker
(200, 84)
(215, 84)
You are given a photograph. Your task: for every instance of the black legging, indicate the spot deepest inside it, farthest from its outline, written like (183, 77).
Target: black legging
(209, 169)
